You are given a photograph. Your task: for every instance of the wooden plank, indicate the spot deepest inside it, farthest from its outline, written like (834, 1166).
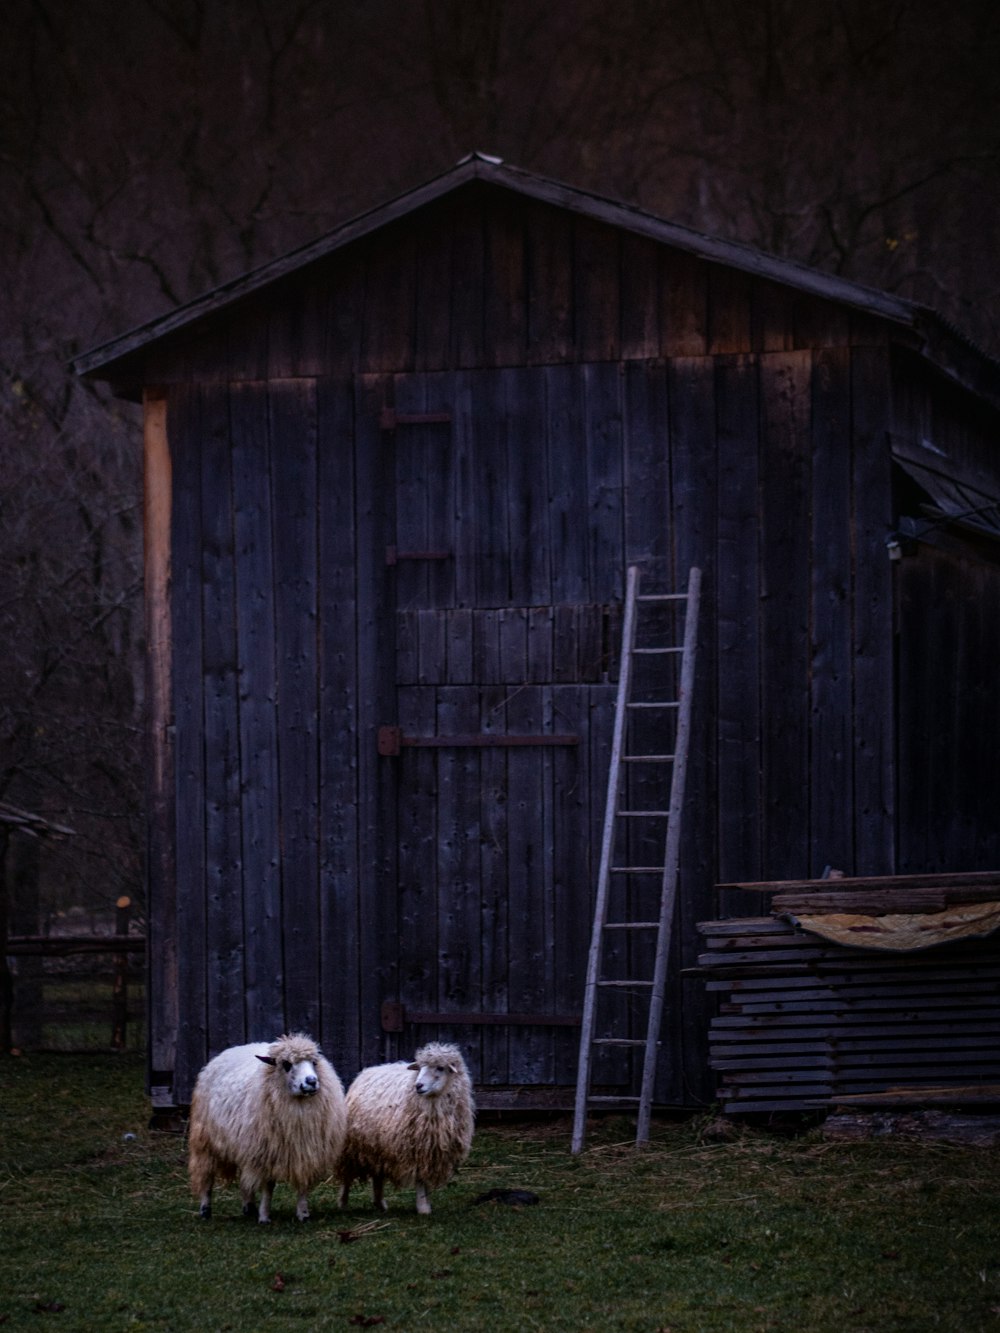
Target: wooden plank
(874, 731)
(387, 340)
(258, 709)
(785, 585)
(831, 779)
(738, 719)
(161, 863)
(460, 643)
(505, 296)
(494, 901)
(647, 467)
(549, 267)
(414, 930)
(529, 869)
(224, 920)
(293, 477)
(872, 883)
(772, 317)
(459, 958)
(884, 902)
(640, 298)
(573, 874)
(695, 509)
(469, 345)
(684, 304)
(596, 290)
(339, 604)
(425, 512)
(729, 311)
(602, 387)
(465, 445)
(569, 501)
(377, 777)
(527, 511)
(492, 489)
(189, 757)
(433, 239)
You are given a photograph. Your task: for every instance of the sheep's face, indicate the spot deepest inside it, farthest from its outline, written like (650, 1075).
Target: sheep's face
(431, 1080)
(301, 1078)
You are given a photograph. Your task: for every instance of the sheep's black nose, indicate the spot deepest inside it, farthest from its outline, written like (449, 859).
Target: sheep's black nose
(310, 1082)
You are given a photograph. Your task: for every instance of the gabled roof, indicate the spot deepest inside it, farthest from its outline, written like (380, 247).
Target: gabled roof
(480, 167)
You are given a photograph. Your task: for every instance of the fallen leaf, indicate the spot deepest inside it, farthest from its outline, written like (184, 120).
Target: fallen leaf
(279, 1283)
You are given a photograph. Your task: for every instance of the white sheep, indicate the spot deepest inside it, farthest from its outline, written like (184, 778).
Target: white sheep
(410, 1124)
(263, 1113)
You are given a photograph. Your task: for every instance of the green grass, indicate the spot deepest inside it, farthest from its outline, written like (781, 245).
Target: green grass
(98, 1231)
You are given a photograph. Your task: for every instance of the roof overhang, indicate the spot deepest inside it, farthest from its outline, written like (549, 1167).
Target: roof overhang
(101, 361)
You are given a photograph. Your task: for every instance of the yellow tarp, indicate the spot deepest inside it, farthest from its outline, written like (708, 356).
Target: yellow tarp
(904, 932)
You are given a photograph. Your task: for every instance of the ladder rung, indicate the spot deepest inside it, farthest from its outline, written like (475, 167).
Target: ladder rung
(647, 758)
(662, 597)
(619, 1041)
(611, 1101)
(637, 870)
(649, 652)
(631, 925)
(657, 703)
(621, 984)
(643, 814)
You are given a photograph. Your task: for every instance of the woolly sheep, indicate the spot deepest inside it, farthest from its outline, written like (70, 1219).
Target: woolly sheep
(263, 1113)
(410, 1124)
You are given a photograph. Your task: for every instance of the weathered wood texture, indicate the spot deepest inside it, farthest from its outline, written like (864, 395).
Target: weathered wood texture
(407, 481)
(802, 1025)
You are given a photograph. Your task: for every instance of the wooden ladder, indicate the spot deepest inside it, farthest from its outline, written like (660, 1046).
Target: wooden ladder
(626, 749)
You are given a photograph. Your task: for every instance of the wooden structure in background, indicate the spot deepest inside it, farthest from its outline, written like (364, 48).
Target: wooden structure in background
(394, 481)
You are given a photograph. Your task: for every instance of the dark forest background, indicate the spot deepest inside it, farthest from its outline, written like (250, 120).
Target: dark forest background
(152, 149)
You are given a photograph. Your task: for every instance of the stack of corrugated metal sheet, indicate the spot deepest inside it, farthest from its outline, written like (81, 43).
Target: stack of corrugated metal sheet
(803, 1022)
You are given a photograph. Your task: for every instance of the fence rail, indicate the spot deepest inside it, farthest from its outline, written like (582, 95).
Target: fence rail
(122, 946)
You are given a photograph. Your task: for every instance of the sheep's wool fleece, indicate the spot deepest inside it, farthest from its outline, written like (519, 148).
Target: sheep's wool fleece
(244, 1118)
(394, 1132)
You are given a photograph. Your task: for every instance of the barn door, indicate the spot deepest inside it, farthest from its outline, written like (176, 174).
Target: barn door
(502, 592)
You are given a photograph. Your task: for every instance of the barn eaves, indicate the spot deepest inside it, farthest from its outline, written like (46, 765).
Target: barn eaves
(925, 331)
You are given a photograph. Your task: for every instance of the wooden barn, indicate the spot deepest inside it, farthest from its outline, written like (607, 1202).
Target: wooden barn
(394, 481)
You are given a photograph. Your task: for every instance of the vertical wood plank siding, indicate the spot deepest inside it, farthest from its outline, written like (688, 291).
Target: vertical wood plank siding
(745, 432)
(161, 868)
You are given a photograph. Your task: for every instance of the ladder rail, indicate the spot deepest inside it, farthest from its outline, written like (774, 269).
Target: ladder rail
(671, 861)
(604, 872)
(669, 870)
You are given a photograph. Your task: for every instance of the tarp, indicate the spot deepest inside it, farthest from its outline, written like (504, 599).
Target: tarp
(904, 932)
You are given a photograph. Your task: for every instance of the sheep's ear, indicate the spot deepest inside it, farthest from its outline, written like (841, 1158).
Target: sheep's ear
(415, 1068)
(267, 1059)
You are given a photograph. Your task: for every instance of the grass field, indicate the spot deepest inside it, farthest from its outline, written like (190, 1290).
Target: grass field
(756, 1233)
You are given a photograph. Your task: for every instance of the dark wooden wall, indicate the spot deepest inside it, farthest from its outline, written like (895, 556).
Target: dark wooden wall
(594, 399)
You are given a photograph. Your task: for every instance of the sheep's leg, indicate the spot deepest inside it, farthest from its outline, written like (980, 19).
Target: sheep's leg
(423, 1198)
(264, 1211)
(247, 1197)
(302, 1207)
(345, 1190)
(378, 1184)
(202, 1181)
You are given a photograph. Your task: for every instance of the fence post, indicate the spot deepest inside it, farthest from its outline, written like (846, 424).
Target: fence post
(119, 994)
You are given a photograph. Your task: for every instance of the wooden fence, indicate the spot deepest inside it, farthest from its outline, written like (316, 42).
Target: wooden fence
(125, 950)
